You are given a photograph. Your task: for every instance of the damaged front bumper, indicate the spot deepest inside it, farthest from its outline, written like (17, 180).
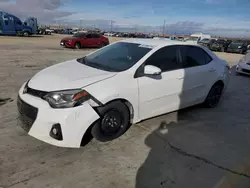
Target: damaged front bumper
(59, 127)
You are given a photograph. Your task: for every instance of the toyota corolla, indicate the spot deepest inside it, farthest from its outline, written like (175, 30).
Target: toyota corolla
(121, 84)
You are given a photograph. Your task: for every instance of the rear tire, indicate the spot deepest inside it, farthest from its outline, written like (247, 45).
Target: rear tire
(214, 95)
(114, 121)
(102, 45)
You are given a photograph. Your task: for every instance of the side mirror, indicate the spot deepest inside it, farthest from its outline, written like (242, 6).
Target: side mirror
(152, 70)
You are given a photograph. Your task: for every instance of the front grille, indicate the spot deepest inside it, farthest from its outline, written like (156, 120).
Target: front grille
(245, 70)
(36, 93)
(27, 114)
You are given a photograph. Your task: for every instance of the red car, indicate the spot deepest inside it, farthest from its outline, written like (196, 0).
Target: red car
(80, 40)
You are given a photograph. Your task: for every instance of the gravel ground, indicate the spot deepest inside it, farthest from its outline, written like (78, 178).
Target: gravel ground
(199, 147)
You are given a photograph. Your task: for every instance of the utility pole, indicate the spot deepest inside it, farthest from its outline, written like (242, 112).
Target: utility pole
(111, 25)
(80, 24)
(163, 31)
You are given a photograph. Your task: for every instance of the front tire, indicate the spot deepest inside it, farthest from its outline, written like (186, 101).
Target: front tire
(26, 34)
(114, 121)
(214, 95)
(77, 45)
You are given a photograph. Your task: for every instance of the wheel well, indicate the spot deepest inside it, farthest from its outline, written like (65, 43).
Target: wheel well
(219, 82)
(87, 137)
(128, 104)
(77, 42)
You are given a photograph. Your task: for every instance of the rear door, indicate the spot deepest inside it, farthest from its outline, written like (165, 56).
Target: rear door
(199, 74)
(96, 40)
(89, 41)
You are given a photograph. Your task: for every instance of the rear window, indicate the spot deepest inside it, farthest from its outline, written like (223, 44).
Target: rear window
(116, 57)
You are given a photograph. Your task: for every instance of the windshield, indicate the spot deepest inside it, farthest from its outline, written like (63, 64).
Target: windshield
(237, 42)
(79, 34)
(193, 38)
(205, 40)
(116, 57)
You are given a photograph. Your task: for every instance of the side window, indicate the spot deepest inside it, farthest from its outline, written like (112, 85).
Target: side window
(165, 58)
(95, 36)
(18, 22)
(6, 20)
(89, 36)
(194, 56)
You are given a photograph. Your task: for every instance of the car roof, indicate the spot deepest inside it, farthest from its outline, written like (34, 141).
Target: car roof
(156, 42)
(159, 43)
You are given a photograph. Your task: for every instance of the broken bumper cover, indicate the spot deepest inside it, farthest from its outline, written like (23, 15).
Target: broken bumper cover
(73, 122)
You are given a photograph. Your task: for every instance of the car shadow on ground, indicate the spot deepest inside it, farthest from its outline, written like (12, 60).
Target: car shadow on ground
(202, 147)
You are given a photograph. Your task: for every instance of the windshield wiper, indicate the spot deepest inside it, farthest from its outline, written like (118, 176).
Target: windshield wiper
(100, 66)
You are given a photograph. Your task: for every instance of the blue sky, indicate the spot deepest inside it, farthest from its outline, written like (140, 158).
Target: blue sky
(222, 17)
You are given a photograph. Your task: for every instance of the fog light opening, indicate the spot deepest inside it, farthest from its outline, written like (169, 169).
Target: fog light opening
(56, 132)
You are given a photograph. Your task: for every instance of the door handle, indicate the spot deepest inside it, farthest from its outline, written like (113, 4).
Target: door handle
(211, 70)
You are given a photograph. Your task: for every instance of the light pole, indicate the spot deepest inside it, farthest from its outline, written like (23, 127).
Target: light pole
(111, 25)
(163, 31)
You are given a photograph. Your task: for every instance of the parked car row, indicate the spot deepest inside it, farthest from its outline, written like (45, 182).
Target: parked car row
(223, 45)
(125, 34)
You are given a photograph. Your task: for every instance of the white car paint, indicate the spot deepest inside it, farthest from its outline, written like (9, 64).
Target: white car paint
(148, 97)
(243, 66)
(60, 76)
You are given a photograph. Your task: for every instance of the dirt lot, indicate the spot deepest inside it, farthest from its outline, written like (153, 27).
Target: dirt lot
(203, 148)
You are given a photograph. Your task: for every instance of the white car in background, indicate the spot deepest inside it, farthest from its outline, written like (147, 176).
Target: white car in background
(126, 82)
(243, 66)
(109, 34)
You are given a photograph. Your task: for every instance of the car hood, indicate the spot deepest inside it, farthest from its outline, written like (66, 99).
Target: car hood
(204, 42)
(244, 65)
(69, 38)
(191, 42)
(67, 75)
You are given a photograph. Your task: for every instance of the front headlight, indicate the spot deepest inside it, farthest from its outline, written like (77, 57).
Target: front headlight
(239, 46)
(66, 99)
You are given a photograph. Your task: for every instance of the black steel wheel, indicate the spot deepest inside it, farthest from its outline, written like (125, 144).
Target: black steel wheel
(214, 95)
(111, 122)
(114, 121)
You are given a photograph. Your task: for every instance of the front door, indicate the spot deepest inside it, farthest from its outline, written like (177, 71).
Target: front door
(96, 40)
(161, 94)
(8, 25)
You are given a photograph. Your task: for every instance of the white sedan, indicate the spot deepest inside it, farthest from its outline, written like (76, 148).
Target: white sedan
(243, 66)
(126, 82)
